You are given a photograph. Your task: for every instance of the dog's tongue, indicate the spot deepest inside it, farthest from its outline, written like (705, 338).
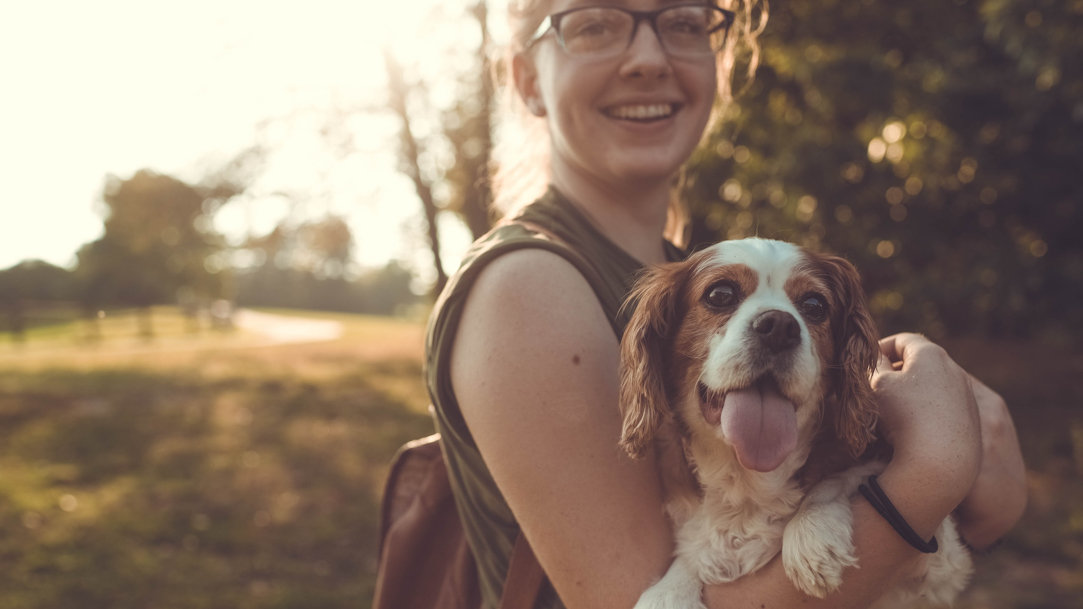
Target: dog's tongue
(761, 425)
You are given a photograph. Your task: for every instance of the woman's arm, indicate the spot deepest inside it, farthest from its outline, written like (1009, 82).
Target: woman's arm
(999, 496)
(534, 367)
(931, 419)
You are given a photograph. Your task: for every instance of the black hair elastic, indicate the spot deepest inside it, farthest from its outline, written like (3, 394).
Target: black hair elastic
(879, 500)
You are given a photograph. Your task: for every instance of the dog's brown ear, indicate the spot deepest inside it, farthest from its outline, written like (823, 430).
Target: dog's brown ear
(643, 401)
(856, 354)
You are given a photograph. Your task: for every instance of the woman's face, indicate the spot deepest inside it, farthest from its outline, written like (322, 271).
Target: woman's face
(625, 119)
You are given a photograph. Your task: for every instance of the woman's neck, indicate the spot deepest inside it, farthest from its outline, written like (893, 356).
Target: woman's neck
(633, 216)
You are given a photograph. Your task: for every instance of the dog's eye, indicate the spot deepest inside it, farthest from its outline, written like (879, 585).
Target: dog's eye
(813, 307)
(722, 295)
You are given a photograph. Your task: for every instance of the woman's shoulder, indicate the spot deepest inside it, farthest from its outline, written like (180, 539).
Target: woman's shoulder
(533, 281)
(520, 256)
(514, 296)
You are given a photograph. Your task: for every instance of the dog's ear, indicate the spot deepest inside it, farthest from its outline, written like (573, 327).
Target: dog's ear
(643, 365)
(856, 353)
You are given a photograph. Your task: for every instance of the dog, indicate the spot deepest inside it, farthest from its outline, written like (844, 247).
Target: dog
(752, 359)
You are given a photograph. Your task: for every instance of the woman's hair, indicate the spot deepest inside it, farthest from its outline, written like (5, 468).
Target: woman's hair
(521, 159)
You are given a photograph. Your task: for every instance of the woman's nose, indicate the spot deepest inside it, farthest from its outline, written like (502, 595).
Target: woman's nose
(645, 56)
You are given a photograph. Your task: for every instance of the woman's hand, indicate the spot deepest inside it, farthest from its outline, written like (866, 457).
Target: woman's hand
(929, 412)
(934, 411)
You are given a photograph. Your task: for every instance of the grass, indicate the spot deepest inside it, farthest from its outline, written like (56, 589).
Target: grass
(147, 475)
(214, 470)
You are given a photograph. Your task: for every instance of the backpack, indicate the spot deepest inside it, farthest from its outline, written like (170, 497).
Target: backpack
(425, 561)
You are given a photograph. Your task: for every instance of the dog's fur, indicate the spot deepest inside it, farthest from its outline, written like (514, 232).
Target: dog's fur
(760, 317)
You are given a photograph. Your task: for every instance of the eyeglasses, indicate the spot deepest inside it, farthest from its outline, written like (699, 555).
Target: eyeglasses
(690, 30)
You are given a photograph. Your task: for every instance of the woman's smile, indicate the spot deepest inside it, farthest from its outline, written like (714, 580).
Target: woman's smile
(641, 112)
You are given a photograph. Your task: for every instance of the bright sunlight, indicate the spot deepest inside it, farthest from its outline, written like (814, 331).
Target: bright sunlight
(110, 87)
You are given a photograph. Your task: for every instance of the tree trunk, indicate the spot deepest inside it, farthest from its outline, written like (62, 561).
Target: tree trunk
(408, 155)
(476, 209)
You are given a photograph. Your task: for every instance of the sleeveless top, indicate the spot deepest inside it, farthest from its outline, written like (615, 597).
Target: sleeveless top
(489, 525)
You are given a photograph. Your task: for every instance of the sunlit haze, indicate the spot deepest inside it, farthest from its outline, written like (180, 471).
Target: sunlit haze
(110, 87)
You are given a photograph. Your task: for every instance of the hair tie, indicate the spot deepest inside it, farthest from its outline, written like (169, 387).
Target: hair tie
(876, 497)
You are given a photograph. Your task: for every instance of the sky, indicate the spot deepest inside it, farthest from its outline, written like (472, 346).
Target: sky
(92, 89)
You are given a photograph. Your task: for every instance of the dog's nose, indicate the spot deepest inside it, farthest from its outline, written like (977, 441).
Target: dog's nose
(777, 330)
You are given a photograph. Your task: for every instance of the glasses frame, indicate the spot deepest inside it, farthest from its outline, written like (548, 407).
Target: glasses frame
(552, 24)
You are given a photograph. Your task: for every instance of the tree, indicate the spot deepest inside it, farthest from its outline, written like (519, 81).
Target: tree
(28, 282)
(468, 127)
(460, 183)
(322, 247)
(326, 246)
(933, 144)
(158, 237)
(410, 164)
(305, 267)
(386, 291)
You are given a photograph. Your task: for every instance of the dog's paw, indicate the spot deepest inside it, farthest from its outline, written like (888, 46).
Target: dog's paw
(679, 588)
(659, 597)
(817, 548)
(946, 573)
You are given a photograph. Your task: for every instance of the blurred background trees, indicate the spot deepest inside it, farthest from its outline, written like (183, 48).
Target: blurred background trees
(157, 239)
(932, 143)
(449, 163)
(935, 144)
(308, 266)
(32, 284)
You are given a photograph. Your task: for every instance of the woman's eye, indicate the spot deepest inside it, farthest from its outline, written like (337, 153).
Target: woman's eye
(590, 29)
(813, 307)
(721, 295)
(589, 23)
(686, 26)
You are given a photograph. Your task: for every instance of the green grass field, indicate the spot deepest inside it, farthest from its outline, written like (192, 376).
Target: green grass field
(219, 470)
(200, 470)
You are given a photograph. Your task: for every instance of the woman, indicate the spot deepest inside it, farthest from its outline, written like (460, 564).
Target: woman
(523, 345)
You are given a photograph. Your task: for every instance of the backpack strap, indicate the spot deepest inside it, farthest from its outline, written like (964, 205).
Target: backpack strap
(425, 561)
(525, 576)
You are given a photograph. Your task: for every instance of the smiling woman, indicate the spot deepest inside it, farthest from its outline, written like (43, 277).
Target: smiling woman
(119, 85)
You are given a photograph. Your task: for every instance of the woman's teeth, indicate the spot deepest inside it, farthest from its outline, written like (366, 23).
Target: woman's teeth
(641, 113)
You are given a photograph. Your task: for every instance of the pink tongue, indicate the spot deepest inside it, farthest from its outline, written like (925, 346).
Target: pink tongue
(761, 425)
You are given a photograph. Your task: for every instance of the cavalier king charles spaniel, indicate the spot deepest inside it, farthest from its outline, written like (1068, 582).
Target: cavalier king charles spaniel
(752, 360)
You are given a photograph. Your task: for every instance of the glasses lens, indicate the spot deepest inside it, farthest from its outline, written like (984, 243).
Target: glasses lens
(596, 31)
(689, 30)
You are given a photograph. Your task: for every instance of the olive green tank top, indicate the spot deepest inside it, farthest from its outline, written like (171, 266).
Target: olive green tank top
(490, 527)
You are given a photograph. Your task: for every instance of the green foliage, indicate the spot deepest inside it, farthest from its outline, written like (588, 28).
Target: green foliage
(935, 144)
(35, 280)
(156, 244)
(384, 291)
(28, 285)
(308, 266)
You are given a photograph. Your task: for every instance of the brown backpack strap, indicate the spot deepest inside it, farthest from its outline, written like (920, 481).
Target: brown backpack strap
(525, 576)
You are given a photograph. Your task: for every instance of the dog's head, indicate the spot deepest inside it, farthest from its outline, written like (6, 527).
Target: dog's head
(752, 341)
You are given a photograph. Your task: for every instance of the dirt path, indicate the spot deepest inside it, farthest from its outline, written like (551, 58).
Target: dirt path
(283, 329)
